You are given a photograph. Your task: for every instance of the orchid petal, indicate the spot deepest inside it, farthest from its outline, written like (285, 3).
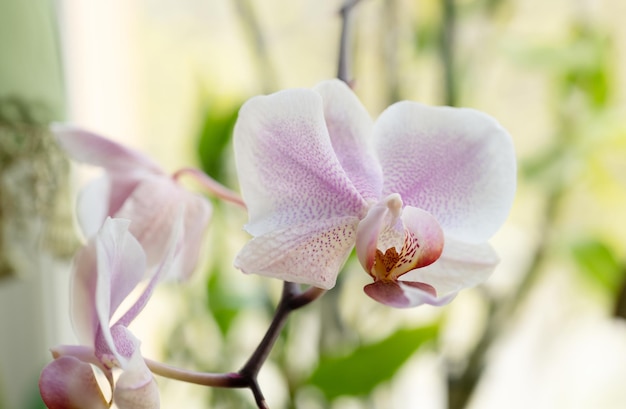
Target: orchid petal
(404, 294)
(458, 164)
(311, 253)
(87, 147)
(391, 241)
(383, 219)
(288, 170)
(198, 212)
(69, 383)
(172, 250)
(92, 206)
(153, 225)
(136, 387)
(83, 284)
(121, 265)
(461, 265)
(350, 127)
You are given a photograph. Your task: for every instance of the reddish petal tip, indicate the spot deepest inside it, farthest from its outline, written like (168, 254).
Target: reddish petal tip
(410, 294)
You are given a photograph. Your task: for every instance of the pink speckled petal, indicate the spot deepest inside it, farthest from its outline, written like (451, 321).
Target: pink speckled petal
(423, 244)
(69, 383)
(289, 173)
(458, 164)
(350, 129)
(404, 294)
(308, 254)
(461, 265)
(414, 235)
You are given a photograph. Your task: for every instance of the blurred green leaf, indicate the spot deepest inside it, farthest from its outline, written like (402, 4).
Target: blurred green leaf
(598, 262)
(224, 305)
(358, 373)
(215, 134)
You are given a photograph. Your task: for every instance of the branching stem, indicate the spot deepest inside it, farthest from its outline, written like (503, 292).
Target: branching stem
(292, 299)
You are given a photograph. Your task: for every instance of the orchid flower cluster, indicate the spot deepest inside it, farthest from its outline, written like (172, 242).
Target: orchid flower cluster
(417, 193)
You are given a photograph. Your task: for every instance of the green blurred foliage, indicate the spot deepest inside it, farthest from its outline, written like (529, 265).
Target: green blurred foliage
(214, 138)
(599, 264)
(359, 372)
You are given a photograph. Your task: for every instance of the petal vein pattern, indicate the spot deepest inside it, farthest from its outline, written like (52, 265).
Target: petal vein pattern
(289, 173)
(312, 253)
(458, 164)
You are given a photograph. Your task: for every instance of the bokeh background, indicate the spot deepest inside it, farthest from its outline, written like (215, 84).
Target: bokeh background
(168, 76)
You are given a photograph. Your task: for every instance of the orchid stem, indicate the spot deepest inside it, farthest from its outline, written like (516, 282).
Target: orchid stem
(219, 380)
(343, 71)
(292, 299)
(211, 185)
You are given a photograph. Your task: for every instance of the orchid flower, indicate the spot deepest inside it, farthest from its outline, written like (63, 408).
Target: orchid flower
(135, 188)
(418, 192)
(105, 273)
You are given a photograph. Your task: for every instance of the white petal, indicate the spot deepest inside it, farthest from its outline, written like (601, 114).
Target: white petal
(92, 208)
(308, 254)
(153, 207)
(288, 170)
(350, 129)
(458, 164)
(461, 265)
(136, 388)
(121, 266)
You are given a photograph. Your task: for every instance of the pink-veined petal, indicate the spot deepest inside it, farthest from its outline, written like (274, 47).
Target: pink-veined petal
(87, 147)
(461, 265)
(404, 294)
(308, 254)
(69, 383)
(458, 164)
(391, 241)
(423, 244)
(350, 129)
(288, 171)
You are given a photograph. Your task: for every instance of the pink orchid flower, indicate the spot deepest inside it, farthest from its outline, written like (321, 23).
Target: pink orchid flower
(418, 192)
(135, 188)
(105, 272)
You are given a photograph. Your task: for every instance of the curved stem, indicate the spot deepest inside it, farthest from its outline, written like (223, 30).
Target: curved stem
(220, 380)
(291, 300)
(211, 185)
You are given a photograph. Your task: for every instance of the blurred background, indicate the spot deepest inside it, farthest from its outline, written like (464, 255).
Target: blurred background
(167, 77)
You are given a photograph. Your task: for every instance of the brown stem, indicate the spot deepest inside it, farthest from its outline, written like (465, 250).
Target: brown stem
(219, 380)
(343, 71)
(292, 299)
